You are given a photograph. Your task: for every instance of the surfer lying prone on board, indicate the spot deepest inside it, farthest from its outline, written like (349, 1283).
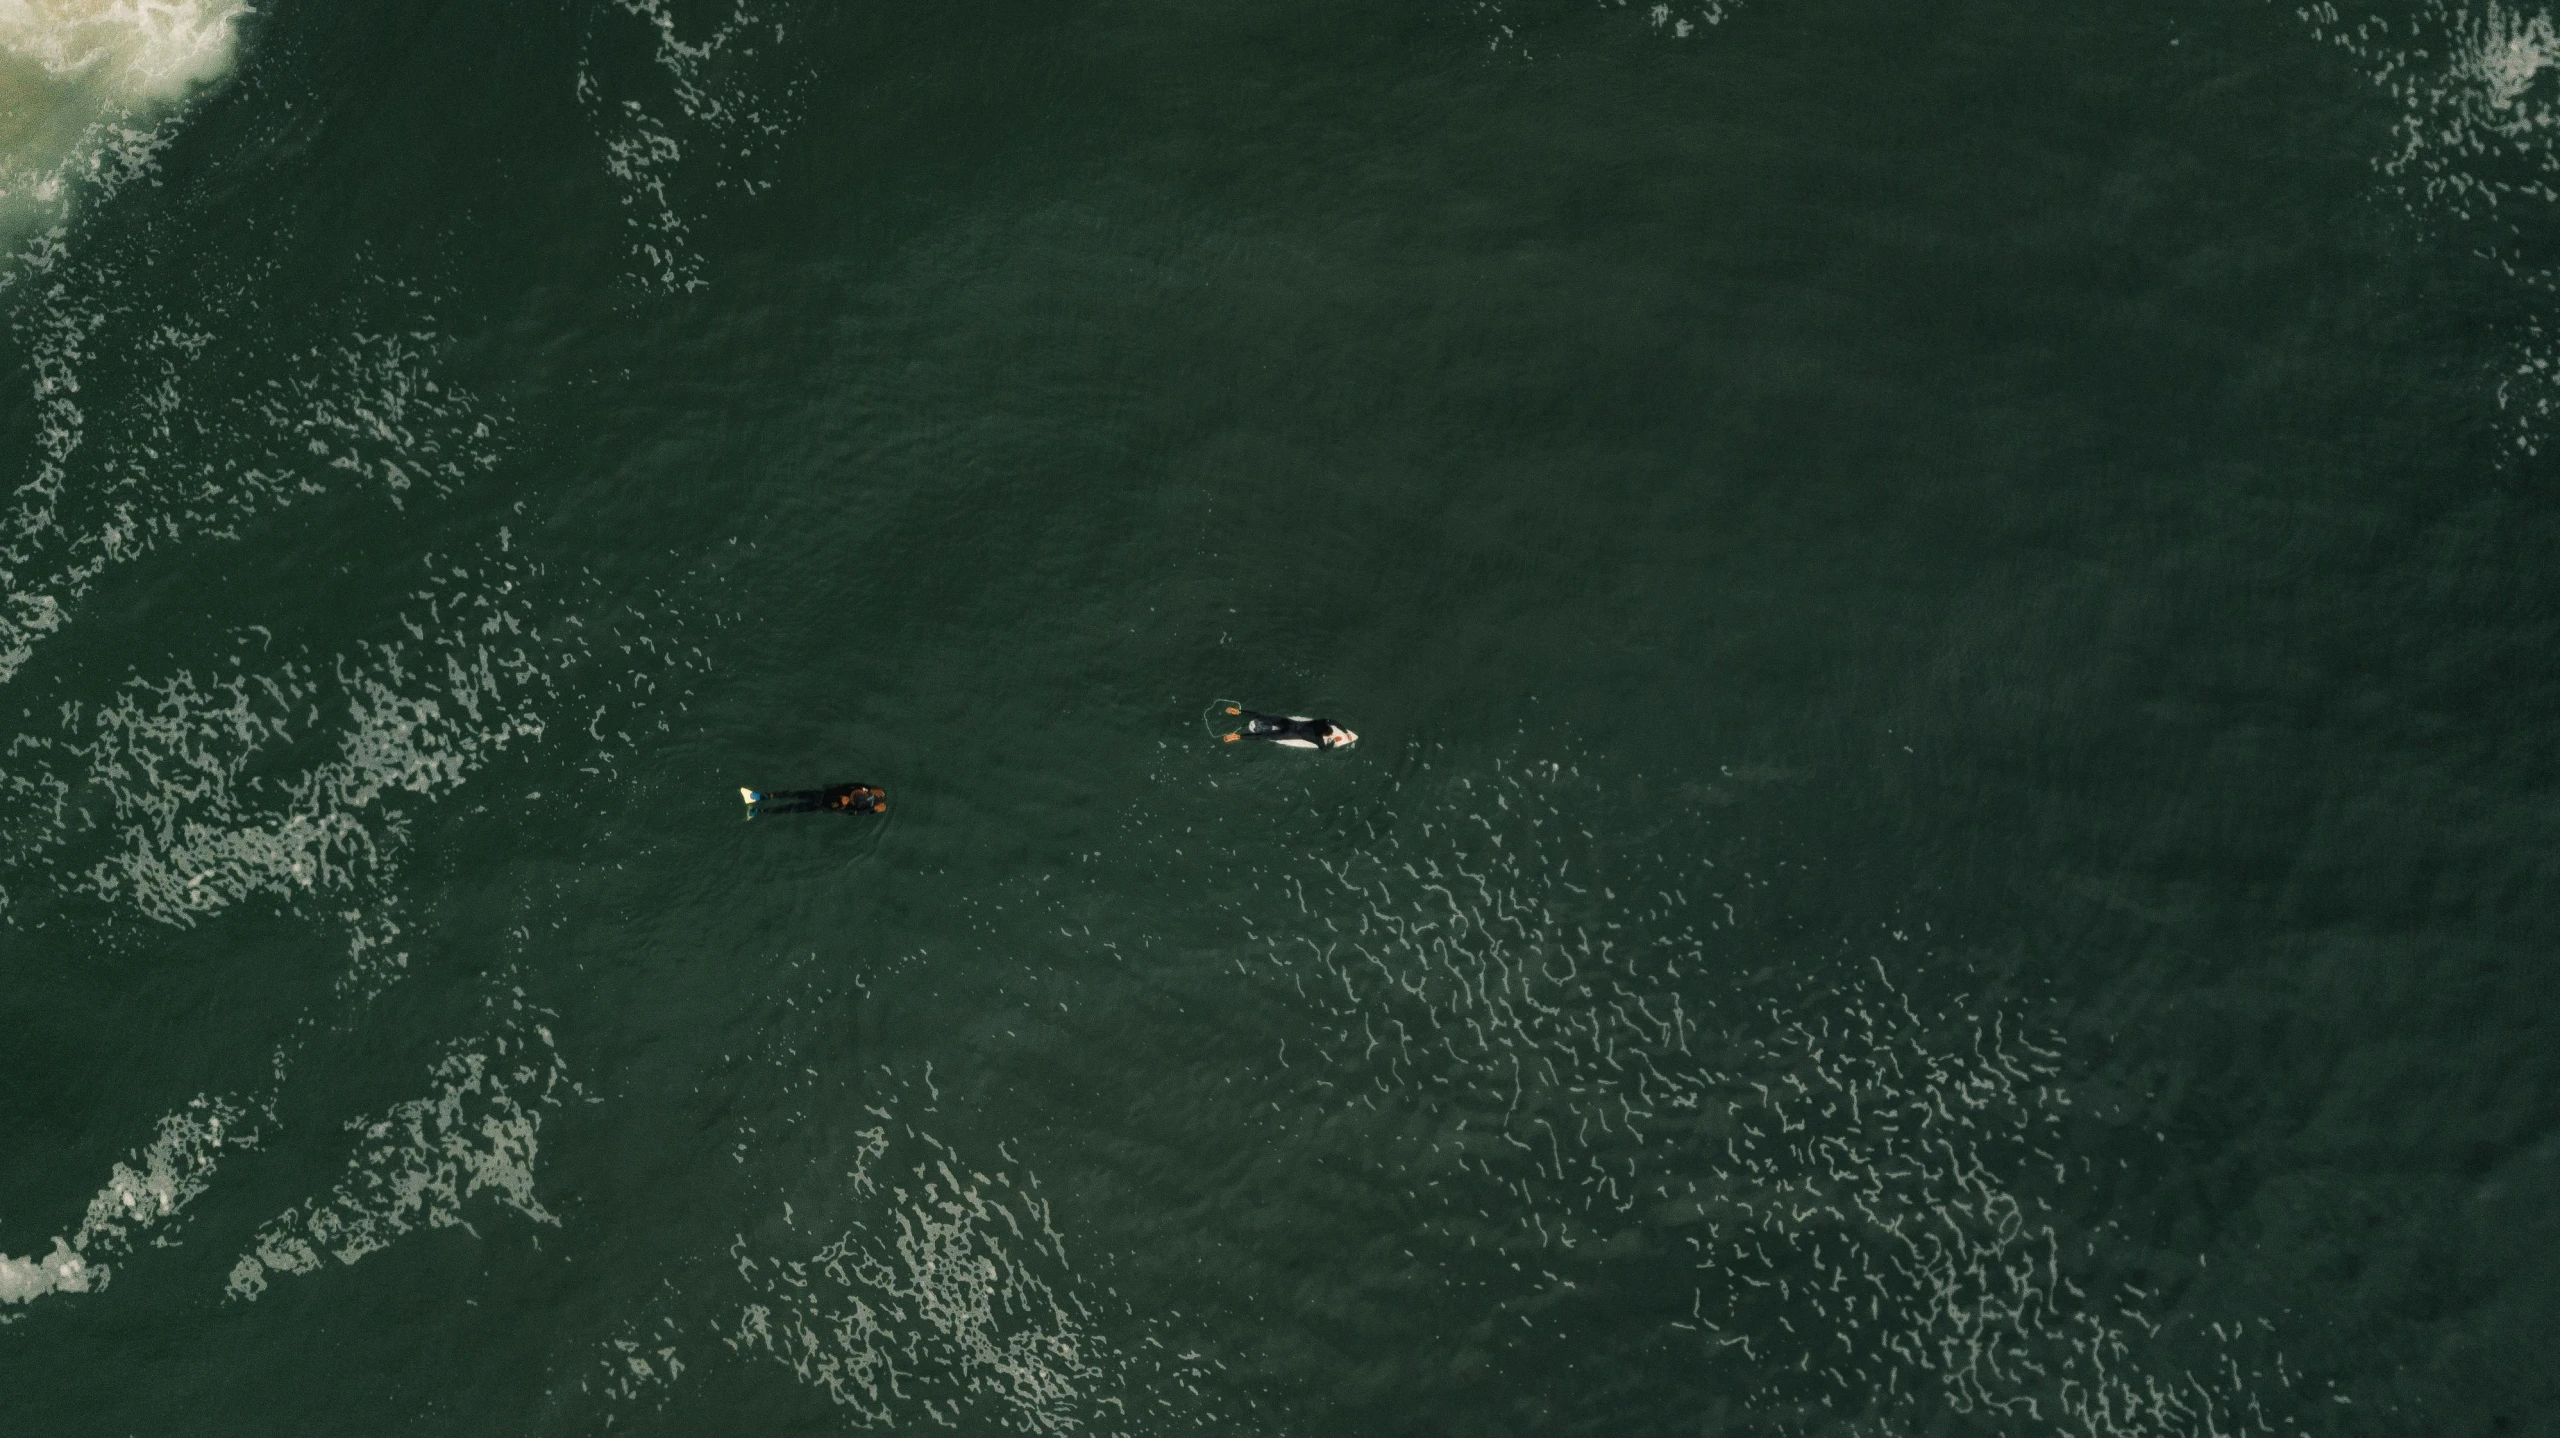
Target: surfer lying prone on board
(1294, 732)
(834, 799)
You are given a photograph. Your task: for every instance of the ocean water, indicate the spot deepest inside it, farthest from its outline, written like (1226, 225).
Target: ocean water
(1951, 611)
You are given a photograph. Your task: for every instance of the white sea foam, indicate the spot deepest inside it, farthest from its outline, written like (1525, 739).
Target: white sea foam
(297, 778)
(170, 447)
(956, 1292)
(144, 1194)
(2475, 134)
(84, 85)
(2476, 158)
(642, 1361)
(135, 49)
(1676, 21)
(23, 1280)
(948, 1297)
(1559, 1058)
(906, 1282)
(1684, 21)
(425, 1162)
(695, 127)
(2503, 52)
(219, 786)
(186, 765)
(199, 820)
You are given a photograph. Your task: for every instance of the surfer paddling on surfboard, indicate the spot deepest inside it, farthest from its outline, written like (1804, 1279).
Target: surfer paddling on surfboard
(834, 799)
(1296, 731)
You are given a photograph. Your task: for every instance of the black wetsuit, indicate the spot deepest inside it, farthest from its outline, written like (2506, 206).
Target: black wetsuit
(1272, 728)
(834, 799)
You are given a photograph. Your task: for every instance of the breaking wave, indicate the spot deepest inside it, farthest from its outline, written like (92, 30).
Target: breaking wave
(84, 87)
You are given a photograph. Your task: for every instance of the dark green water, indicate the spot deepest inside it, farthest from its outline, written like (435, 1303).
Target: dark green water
(1949, 608)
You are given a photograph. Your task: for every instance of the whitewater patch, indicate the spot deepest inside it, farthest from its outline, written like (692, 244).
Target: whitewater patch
(956, 1291)
(290, 779)
(295, 780)
(2474, 134)
(298, 779)
(144, 1195)
(476, 1135)
(87, 88)
(948, 1297)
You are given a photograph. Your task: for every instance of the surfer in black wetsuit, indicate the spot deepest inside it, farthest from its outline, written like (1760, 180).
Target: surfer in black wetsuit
(834, 799)
(1296, 731)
